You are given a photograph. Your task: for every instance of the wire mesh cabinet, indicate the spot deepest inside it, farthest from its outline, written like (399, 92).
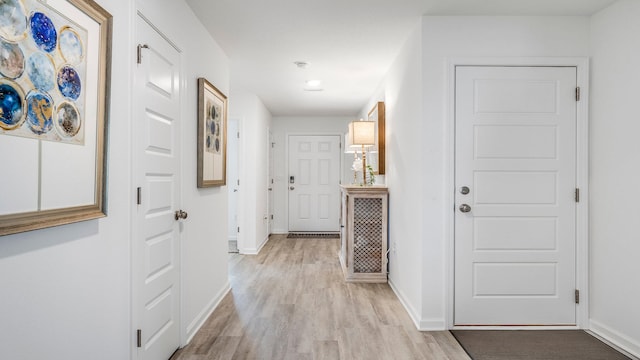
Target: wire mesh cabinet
(363, 221)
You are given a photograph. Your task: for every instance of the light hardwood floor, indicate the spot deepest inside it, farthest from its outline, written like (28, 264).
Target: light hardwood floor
(291, 302)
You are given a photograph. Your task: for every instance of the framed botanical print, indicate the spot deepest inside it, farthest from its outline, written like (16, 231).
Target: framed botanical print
(212, 130)
(55, 59)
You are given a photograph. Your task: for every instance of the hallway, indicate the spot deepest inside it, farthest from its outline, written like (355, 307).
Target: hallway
(291, 302)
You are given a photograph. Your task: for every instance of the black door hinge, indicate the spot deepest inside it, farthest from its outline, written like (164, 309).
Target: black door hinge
(577, 296)
(139, 338)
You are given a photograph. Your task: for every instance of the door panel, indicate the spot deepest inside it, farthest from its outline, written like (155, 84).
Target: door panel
(233, 181)
(156, 146)
(516, 152)
(314, 196)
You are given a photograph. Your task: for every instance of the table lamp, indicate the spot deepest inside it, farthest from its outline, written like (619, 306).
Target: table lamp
(362, 133)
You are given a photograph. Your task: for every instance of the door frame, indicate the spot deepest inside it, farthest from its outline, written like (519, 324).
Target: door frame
(286, 154)
(582, 178)
(270, 181)
(239, 164)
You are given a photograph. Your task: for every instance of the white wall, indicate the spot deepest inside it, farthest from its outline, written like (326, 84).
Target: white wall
(66, 290)
(401, 90)
(615, 155)
(255, 121)
(300, 125)
(416, 91)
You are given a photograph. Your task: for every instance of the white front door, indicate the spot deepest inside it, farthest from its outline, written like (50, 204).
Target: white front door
(314, 180)
(156, 249)
(515, 236)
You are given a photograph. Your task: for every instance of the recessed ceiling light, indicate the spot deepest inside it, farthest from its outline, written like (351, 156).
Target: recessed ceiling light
(301, 64)
(313, 83)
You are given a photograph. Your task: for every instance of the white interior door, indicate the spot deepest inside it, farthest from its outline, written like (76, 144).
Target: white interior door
(516, 153)
(157, 173)
(314, 179)
(233, 182)
(270, 181)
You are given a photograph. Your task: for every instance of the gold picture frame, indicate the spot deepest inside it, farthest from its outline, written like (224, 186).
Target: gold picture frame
(55, 136)
(212, 135)
(377, 115)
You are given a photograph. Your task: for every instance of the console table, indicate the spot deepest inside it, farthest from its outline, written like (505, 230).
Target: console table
(363, 233)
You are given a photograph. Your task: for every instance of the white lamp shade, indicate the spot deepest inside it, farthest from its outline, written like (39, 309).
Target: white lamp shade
(362, 133)
(348, 147)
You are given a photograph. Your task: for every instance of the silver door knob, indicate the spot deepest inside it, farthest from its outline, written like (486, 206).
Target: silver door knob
(465, 208)
(291, 187)
(180, 215)
(464, 190)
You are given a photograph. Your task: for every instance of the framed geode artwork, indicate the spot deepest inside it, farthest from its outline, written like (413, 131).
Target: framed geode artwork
(55, 59)
(212, 138)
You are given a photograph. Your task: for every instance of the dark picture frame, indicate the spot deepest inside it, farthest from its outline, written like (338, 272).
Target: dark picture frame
(377, 115)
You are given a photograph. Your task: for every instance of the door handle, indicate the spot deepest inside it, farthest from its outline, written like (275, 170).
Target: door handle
(180, 215)
(270, 189)
(464, 190)
(465, 208)
(235, 190)
(291, 187)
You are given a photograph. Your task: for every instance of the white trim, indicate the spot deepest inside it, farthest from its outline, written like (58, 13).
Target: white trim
(254, 251)
(196, 324)
(279, 232)
(240, 206)
(582, 171)
(420, 324)
(433, 324)
(615, 339)
(413, 313)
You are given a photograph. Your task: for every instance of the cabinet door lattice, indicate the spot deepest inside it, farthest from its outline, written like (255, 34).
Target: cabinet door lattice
(367, 231)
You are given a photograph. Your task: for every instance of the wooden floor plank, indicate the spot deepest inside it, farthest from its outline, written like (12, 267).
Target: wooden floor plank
(291, 302)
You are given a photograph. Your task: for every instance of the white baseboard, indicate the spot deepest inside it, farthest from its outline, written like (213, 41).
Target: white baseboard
(623, 343)
(232, 238)
(254, 251)
(421, 324)
(413, 314)
(434, 324)
(196, 324)
(279, 232)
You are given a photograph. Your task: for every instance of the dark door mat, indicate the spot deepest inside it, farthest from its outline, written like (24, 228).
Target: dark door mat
(534, 345)
(313, 236)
